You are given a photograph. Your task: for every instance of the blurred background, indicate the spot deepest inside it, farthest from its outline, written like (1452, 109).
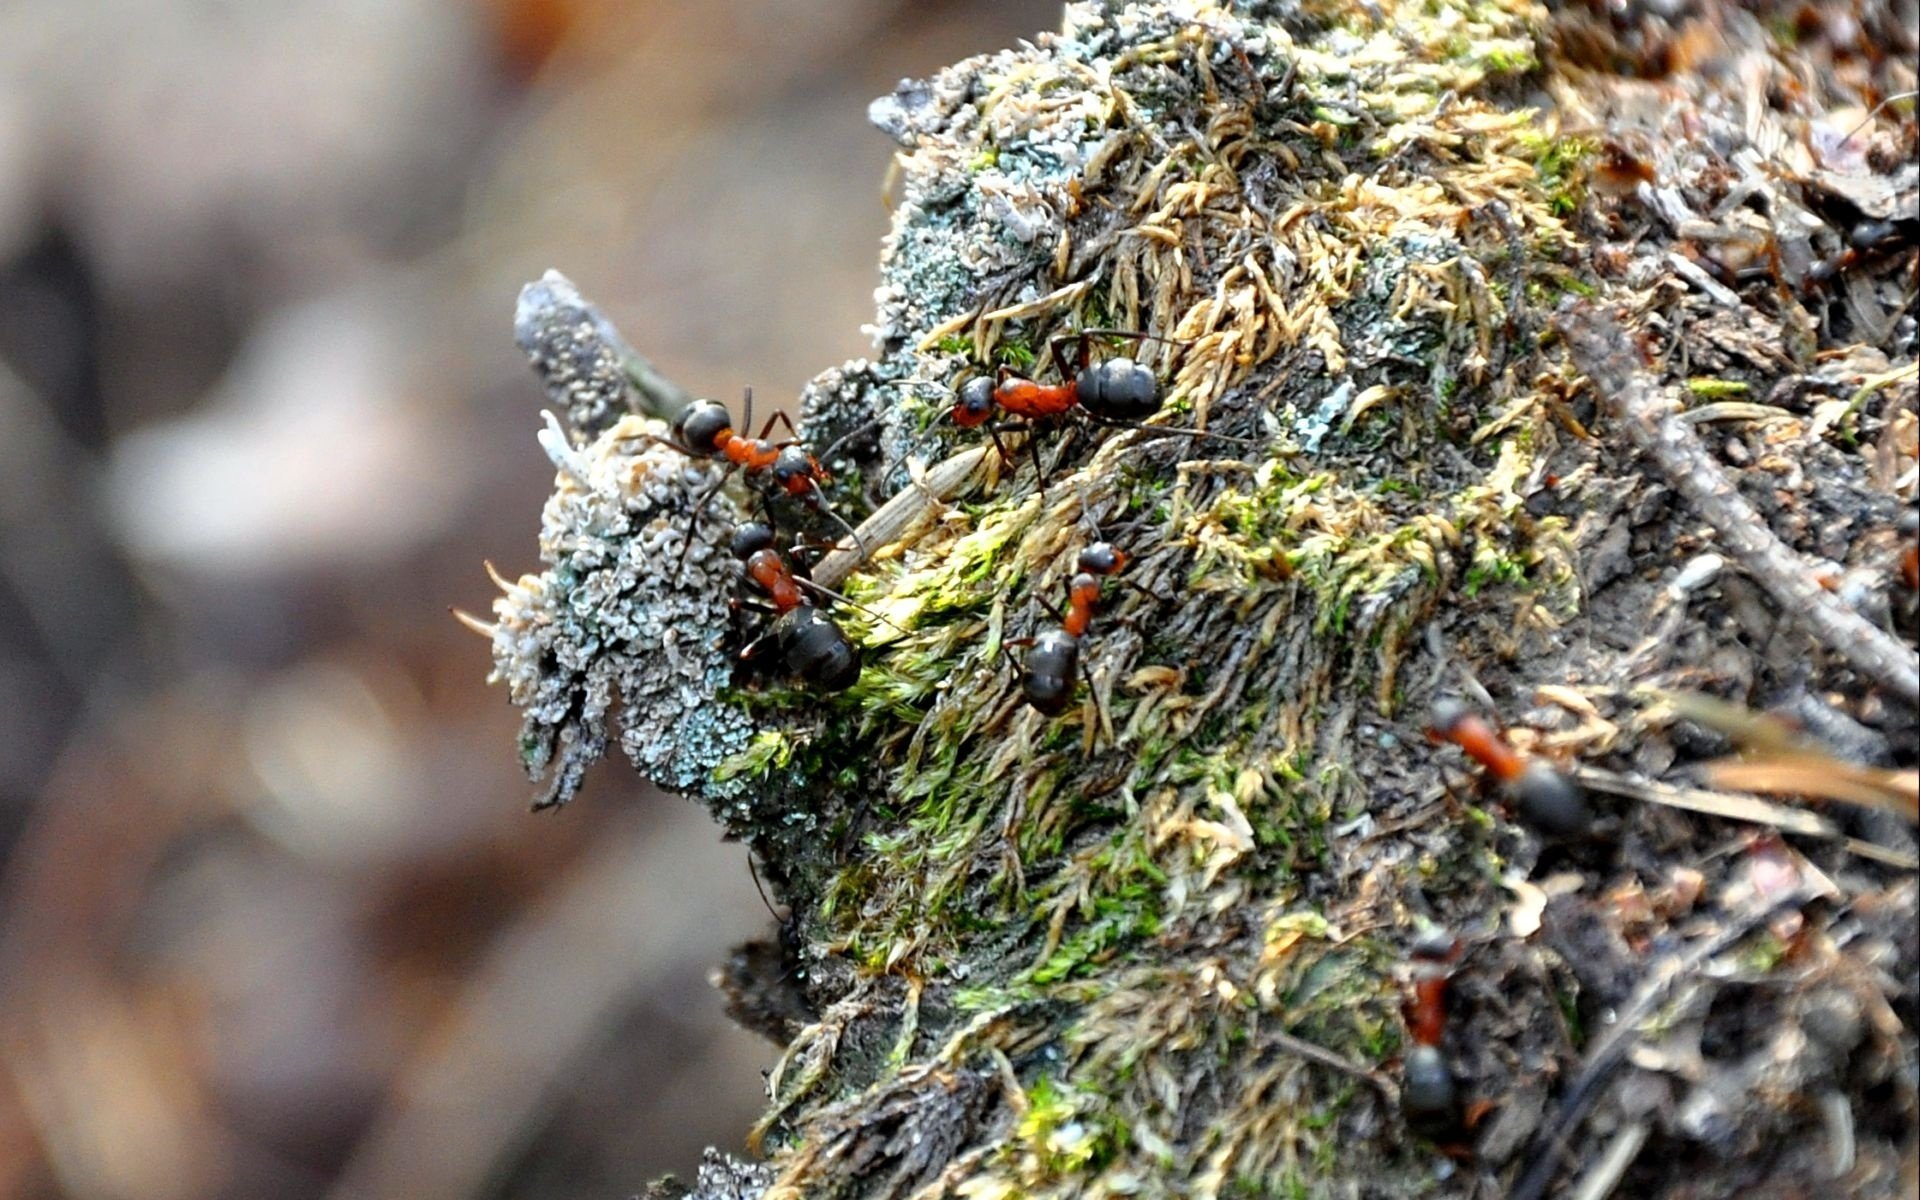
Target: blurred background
(274, 918)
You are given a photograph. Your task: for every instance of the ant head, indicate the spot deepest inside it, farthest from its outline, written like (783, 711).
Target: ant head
(1435, 945)
(1103, 558)
(796, 471)
(1447, 715)
(973, 402)
(699, 427)
(1119, 388)
(751, 538)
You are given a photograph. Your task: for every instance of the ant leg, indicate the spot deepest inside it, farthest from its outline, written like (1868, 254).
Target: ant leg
(1146, 591)
(1006, 652)
(1039, 472)
(836, 597)
(1082, 358)
(752, 649)
(780, 417)
(833, 447)
(1173, 431)
(1138, 337)
(746, 414)
(656, 439)
(1006, 456)
(693, 522)
(820, 502)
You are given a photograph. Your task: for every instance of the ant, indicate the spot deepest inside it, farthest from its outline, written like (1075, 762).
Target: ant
(1052, 665)
(704, 429)
(1113, 391)
(1868, 243)
(1909, 525)
(813, 647)
(1544, 797)
(1429, 1097)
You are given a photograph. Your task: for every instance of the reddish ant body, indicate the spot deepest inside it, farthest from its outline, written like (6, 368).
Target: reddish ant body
(1429, 1097)
(1052, 665)
(1114, 391)
(704, 429)
(1544, 797)
(1909, 525)
(813, 647)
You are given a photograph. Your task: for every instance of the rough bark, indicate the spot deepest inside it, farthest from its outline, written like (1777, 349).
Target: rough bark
(1159, 944)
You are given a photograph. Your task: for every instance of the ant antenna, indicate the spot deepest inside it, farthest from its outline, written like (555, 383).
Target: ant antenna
(754, 871)
(837, 598)
(1875, 111)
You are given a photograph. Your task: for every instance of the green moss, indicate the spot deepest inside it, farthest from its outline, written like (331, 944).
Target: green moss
(770, 749)
(1718, 389)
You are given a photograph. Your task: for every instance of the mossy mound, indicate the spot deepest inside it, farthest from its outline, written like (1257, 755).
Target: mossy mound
(1158, 944)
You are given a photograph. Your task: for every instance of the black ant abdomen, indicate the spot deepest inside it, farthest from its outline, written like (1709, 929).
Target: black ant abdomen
(698, 429)
(1119, 389)
(1549, 801)
(1051, 670)
(1428, 1096)
(816, 649)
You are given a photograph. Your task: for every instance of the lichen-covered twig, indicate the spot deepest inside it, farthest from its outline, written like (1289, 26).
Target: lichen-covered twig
(1602, 350)
(584, 364)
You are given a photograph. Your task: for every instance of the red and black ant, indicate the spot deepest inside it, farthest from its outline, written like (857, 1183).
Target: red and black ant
(812, 646)
(1909, 525)
(1113, 391)
(704, 429)
(1052, 665)
(1545, 798)
(1428, 1095)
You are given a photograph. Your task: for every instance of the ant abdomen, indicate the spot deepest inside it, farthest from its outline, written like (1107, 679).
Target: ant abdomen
(1428, 1095)
(817, 650)
(1051, 669)
(698, 429)
(1119, 389)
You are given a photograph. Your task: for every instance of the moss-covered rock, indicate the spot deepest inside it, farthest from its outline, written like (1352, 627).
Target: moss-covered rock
(1157, 944)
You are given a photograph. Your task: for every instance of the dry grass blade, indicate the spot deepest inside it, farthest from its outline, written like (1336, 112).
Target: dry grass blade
(1825, 778)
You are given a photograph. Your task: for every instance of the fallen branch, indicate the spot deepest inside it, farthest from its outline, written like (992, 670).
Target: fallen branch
(1602, 349)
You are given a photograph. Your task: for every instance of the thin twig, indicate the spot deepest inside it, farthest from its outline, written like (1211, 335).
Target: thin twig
(1301, 1048)
(944, 481)
(1735, 806)
(1604, 351)
(1599, 1183)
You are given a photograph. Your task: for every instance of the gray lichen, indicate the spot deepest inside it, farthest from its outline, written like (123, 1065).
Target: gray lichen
(627, 616)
